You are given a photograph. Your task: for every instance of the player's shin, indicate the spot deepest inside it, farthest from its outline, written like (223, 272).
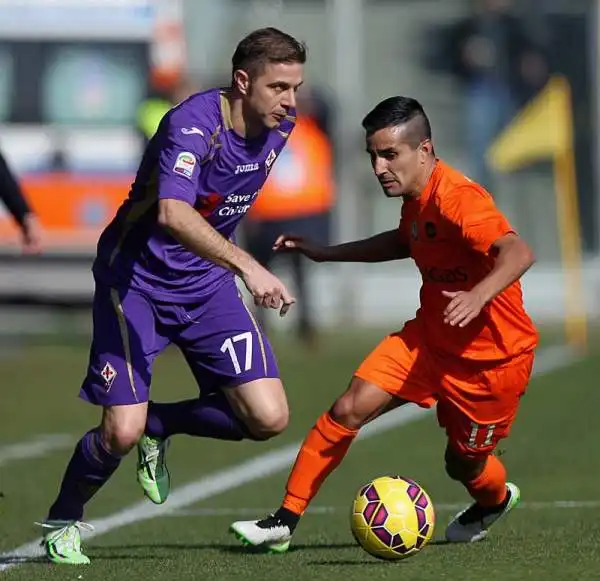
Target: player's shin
(209, 416)
(90, 467)
(322, 451)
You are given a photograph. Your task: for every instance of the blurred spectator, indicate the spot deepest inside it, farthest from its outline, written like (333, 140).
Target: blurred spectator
(13, 198)
(297, 199)
(501, 68)
(316, 103)
(153, 109)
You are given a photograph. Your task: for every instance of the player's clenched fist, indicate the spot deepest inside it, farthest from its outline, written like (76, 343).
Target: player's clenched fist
(287, 242)
(268, 291)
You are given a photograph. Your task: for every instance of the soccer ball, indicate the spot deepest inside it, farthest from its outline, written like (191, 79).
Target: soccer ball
(392, 518)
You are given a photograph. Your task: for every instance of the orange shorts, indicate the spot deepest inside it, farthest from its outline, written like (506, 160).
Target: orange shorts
(476, 402)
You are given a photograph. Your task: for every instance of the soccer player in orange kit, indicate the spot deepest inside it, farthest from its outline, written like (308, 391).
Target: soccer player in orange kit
(470, 347)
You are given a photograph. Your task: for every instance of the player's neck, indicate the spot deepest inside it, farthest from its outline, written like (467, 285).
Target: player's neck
(424, 178)
(240, 122)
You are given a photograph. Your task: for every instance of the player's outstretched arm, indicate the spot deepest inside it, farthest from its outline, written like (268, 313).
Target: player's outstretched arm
(379, 248)
(193, 232)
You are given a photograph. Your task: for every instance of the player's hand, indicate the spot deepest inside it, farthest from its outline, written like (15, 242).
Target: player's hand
(31, 235)
(464, 306)
(288, 242)
(268, 291)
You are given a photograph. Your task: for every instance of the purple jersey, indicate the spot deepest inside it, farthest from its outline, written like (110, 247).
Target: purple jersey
(195, 157)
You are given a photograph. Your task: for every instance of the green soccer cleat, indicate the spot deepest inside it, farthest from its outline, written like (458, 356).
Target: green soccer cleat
(62, 542)
(152, 472)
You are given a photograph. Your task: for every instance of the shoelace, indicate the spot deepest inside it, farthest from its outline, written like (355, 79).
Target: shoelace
(151, 456)
(61, 527)
(155, 452)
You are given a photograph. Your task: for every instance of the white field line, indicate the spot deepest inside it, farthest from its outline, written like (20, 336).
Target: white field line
(34, 448)
(256, 468)
(327, 510)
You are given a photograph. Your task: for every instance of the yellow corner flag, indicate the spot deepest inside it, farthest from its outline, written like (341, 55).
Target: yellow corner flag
(543, 131)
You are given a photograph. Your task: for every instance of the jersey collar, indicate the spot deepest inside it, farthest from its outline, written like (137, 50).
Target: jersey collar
(433, 182)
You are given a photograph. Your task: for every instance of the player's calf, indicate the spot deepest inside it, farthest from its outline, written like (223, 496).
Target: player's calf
(95, 458)
(463, 468)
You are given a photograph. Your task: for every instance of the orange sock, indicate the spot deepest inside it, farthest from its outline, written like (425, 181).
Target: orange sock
(489, 488)
(323, 449)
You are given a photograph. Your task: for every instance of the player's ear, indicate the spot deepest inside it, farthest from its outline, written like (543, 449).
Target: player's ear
(425, 150)
(241, 81)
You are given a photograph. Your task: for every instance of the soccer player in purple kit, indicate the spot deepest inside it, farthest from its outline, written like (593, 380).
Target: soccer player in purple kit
(165, 274)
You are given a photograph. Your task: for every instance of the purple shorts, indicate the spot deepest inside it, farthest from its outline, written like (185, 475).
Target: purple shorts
(218, 337)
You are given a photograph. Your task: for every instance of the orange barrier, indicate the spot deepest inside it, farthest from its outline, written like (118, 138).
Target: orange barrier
(301, 182)
(73, 208)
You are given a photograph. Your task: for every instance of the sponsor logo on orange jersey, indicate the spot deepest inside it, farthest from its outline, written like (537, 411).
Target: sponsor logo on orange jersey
(445, 275)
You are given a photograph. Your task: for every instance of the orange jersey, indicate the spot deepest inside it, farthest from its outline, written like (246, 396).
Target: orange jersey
(450, 229)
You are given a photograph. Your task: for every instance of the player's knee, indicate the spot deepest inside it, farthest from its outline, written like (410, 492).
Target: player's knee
(463, 468)
(270, 424)
(359, 404)
(121, 439)
(344, 412)
(122, 426)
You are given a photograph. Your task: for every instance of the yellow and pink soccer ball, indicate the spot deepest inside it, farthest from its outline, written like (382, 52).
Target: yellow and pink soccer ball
(392, 517)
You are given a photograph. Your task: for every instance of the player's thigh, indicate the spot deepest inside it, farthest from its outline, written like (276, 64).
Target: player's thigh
(478, 409)
(125, 343)
(400, 366)
(223, 344)
(122, 426)
(261, 405)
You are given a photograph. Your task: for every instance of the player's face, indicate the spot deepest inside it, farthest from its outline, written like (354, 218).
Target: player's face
(397, 164)
(272, 93)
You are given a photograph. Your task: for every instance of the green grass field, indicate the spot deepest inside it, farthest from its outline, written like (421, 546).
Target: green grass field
(552, 455)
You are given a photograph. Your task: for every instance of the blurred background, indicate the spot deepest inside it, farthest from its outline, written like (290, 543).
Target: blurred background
(511, 89)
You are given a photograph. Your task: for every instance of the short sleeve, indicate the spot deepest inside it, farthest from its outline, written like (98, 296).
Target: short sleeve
(182, 149)
(474, 212)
